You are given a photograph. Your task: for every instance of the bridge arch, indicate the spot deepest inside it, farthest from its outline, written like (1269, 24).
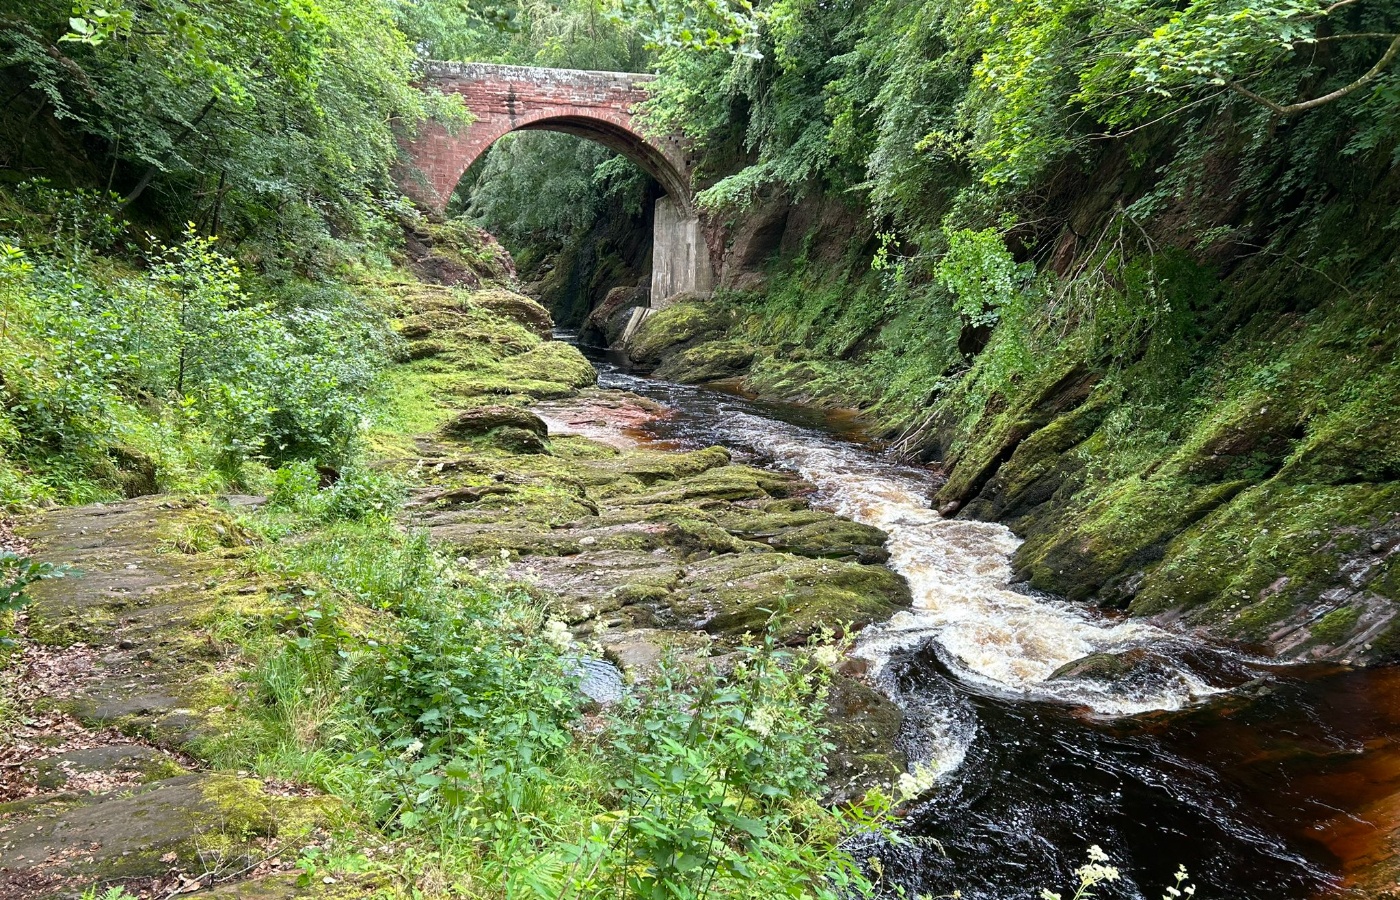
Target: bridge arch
(597, 106)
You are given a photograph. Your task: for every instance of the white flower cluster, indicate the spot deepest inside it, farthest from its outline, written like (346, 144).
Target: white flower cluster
(1095, 871)
(1180, 889)
(919, 781)
(557, 633)
(826, 656)
(761, 721)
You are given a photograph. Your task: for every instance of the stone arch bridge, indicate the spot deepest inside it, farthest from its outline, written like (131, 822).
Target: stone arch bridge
(598, 106)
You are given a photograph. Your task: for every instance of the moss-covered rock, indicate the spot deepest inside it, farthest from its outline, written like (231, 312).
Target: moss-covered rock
(709, 361)
(188, 820)
(808, 532)
(552, 361)
(864, 729)
(818, 382)
(667, 331)
(137, 470)
(600, 581)
(129, 762)
(455, 253)
(517, 308)
(476, 421)
(734, 594)
(726, 483)
(518, 440)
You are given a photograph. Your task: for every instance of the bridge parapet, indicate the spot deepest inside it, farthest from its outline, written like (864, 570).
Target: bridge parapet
(598, 106)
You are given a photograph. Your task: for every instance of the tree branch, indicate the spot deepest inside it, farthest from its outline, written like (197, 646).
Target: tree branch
(1292, 109)
(1338, 5)
(151, 170)
(1355, 34)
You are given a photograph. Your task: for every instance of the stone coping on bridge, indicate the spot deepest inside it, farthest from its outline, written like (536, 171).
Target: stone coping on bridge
(504, 72)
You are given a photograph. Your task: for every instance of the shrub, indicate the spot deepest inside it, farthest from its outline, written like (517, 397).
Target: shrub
(295, 486)
(715, 775)
(181, 358)
(363, 494)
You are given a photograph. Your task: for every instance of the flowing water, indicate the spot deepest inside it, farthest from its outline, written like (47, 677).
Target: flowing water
(1265, 781)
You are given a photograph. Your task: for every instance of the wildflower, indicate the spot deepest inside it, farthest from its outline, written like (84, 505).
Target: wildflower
(557, 633)
(917, 782)
(826, 656)
(760, 721)
(413, 749)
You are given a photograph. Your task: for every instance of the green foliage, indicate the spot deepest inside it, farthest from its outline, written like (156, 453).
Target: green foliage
(711, 772)
(362, 494)
(112, 893)
(539, 191)
(270, 119)
(359, 493)
(907, 101)
(442, 705)
(17, 573)
(981, 274)
(180, 360)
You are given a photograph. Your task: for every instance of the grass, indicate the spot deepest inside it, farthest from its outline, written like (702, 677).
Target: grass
(437, 704)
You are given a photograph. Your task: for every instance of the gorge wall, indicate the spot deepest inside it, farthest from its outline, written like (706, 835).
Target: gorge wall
(1209, 441)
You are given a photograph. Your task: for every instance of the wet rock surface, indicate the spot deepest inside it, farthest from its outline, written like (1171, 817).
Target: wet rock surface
(119, 681)
(651, 554)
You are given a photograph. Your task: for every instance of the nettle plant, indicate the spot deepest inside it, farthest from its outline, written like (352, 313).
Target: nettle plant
(716, 777)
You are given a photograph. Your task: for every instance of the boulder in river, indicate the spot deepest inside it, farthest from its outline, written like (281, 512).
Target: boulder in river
(1125, 669)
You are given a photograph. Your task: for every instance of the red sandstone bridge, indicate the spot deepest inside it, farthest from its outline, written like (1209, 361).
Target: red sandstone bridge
(598, 106)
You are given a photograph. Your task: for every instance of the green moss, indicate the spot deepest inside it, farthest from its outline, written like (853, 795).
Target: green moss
(710, 361)
(237, 809)
(735, 594)
(517, 308)
(553, 361)
(472, 248)
(1334, 627)
(675, 326)
(1293, 540)
(819, 382)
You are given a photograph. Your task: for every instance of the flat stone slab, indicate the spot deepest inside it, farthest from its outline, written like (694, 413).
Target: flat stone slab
(130, 834)
(595, 583)
(125, 762)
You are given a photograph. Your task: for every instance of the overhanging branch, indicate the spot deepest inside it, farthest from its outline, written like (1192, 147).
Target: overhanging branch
(1292, 109)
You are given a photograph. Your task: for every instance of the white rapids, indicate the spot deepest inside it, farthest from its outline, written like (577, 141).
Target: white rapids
(958, 573)
(992, 638)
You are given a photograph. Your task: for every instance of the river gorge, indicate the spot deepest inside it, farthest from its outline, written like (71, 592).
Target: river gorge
(1035, 727)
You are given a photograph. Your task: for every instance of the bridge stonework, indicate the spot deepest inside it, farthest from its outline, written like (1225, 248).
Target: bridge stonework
(598, 106)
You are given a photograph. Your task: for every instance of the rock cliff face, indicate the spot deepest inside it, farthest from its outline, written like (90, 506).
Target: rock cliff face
(1227, 458)
(614, 252)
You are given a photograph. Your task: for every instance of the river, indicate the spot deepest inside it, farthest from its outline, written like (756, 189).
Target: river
(1266, 781)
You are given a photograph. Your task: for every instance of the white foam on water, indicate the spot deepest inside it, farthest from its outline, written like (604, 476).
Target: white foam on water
(958, 572)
